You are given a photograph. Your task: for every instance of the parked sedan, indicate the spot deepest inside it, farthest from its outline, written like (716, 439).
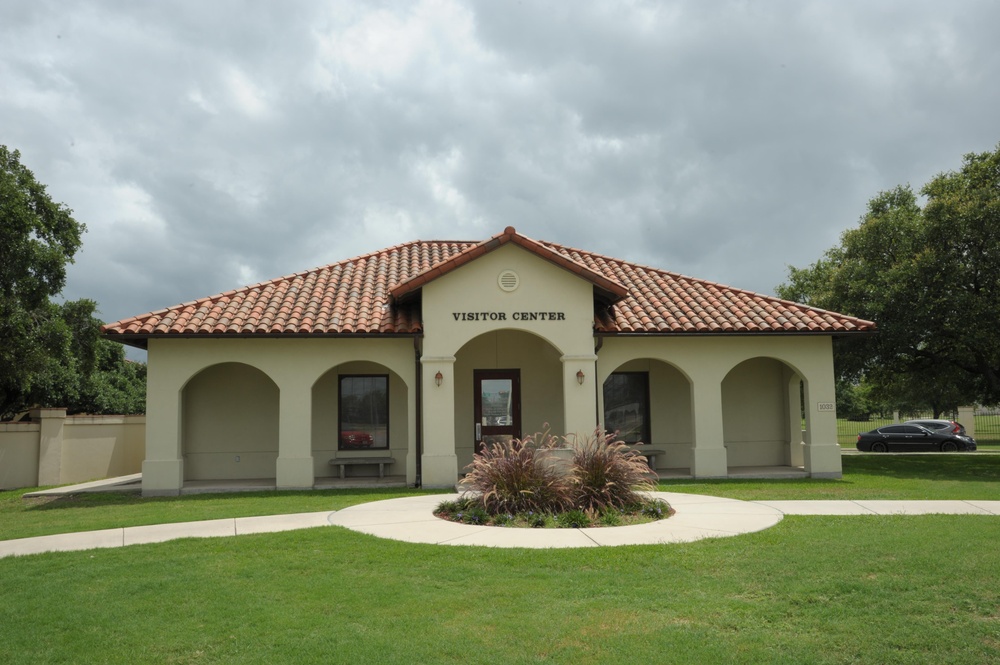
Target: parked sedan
(912, 438)
(935, 425)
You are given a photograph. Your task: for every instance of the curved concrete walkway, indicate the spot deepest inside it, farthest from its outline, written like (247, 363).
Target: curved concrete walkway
(410, 519)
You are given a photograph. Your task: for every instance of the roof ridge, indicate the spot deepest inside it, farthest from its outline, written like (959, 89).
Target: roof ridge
(607, 285)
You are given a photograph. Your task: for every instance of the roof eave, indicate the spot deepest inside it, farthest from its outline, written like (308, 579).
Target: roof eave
(736, 333)
(141, 340)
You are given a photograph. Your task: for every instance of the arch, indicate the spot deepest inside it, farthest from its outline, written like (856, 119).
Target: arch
(326, 425)
(671, 409)
(541, 372)
(229, 423)
(761, 413)
(471, 337)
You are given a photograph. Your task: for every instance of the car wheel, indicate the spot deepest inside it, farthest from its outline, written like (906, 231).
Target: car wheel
(949, 447)
(879, 447)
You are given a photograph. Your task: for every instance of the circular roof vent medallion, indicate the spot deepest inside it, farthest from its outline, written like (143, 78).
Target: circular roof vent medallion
(508, 280)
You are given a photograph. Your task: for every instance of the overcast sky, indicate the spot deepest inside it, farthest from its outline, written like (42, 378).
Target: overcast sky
(211, 145)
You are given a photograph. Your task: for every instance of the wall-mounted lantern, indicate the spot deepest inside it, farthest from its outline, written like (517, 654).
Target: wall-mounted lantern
(579, 377)
(438, 378)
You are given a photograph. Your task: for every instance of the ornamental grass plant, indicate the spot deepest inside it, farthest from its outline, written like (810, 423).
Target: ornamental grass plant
(606, 473)
(509, 478)
(600, 482)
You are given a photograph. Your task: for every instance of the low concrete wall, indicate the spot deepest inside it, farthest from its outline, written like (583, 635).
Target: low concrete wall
(54, 449)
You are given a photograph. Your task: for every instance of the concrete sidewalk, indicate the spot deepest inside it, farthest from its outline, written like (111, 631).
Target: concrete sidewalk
(881, 507)
(411, 519)
(158, 533)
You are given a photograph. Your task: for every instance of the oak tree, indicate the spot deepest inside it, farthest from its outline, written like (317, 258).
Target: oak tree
(51, 353)
(929, 276)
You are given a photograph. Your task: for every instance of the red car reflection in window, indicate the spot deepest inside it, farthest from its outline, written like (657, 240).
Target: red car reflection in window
(351, 439)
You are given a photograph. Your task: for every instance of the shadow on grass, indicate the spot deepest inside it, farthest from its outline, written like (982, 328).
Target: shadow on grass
(104, 499)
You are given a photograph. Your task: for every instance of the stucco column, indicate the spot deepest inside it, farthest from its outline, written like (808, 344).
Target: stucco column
(295, 463)
(708, 456)
(796, 449)
(163, 468)
(822, 452)
(50, 445)
(439, 463)
(579, 398)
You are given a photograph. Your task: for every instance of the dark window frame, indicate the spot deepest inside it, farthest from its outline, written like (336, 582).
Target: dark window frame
(647, 425)
(340, 412)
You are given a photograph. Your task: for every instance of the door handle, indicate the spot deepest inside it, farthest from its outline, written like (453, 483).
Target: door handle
(479, 432)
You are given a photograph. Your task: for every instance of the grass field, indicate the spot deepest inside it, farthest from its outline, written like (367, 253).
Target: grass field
(959, 476)
(866, 589)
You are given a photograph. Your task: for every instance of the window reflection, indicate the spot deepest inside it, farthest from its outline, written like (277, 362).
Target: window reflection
(497, 403)
(364, 412)
(626, 406)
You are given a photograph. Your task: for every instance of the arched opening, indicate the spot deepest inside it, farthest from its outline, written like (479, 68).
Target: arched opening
(762, 414)
(649, 400)
(230, 424)
(359, 409)
(494, 363)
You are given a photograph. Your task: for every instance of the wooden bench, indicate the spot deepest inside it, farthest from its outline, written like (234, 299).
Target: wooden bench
(348, 461)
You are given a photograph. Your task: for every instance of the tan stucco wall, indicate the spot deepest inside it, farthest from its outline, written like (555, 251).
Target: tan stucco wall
(77, 449)
(102, 447)
(670, 415)
(324, 422)
(706, 361)
(541, 384)
(293, 365)
(18, 455)
(230, 414)
(699, 416)
(755, 413)
(544, 287)
(473, 288)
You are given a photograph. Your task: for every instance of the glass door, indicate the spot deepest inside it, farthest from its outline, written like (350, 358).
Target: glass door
(497, 405)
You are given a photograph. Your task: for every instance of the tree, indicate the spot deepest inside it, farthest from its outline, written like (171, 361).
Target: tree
(930, 278)
(38, 237)
(50, 354)
(92, 376)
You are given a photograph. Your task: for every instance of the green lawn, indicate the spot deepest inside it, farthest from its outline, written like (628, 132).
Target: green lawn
(910, 477)
(960, 476)
(865, 589)
(810, 590)
(24, 518)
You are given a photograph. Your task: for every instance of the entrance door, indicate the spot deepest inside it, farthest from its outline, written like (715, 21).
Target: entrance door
(497, 405)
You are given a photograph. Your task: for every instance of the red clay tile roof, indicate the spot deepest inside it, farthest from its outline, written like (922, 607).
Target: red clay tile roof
(609, 290)
(372, 295)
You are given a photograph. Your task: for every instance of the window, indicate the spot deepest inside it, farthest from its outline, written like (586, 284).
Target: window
(363, 412)
(626, 406)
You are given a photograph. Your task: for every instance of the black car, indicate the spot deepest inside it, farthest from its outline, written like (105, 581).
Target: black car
(913, 438)
(935, 425)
